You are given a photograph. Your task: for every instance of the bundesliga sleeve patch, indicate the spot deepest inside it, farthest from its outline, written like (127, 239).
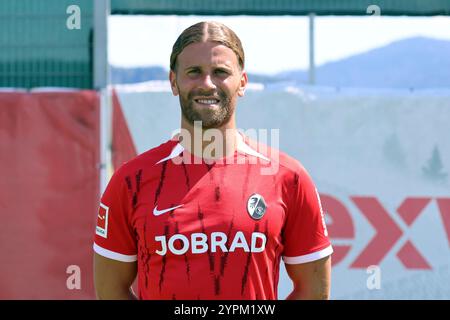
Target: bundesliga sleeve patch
(102, 221)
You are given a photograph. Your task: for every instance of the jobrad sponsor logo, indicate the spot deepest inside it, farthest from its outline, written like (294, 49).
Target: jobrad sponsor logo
(199, 243)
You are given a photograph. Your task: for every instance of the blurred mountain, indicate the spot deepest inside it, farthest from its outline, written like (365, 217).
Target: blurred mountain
(410, 63)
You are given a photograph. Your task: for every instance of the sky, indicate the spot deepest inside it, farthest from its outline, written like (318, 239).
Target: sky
(271, 44)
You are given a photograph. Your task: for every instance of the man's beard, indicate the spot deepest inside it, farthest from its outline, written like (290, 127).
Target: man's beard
(210, 118)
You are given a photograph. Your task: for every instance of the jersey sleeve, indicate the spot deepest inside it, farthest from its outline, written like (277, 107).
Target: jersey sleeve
(114, 235)
(305, 233)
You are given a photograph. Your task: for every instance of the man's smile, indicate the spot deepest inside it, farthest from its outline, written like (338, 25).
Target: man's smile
(207, 101)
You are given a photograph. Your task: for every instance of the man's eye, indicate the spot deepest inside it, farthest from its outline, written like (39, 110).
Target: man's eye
(221, 72)
(193, 72)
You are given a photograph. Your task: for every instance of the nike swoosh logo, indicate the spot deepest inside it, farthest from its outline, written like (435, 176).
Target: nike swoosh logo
(157, 212)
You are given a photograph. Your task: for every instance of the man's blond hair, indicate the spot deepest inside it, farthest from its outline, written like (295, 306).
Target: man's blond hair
(207, 31)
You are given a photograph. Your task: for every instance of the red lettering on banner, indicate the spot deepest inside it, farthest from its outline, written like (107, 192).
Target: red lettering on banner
(410, 209)
(341, 226)
(411, 258)
(387, 232)
(444, 209)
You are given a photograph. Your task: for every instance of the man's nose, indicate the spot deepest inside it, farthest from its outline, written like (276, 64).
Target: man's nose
(207, 82)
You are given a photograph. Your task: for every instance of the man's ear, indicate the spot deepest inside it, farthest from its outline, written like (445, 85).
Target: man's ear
(173, 83)
(242, 84)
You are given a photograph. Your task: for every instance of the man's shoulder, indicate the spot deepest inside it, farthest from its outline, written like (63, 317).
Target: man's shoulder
(147, 159)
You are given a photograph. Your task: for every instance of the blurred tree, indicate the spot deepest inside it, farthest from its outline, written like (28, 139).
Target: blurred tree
(434, 168)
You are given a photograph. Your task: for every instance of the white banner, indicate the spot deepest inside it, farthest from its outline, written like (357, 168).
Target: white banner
(380, 160)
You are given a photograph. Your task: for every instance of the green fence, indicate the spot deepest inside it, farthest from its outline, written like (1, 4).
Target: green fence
(37, 49)
(281, 7)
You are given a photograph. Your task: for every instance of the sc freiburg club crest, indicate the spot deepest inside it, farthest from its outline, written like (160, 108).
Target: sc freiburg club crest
(256, 206)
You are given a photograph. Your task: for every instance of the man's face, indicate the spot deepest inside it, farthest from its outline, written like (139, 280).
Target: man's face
(208, 80)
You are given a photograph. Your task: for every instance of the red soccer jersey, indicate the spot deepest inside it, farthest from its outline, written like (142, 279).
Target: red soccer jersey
(211, 231)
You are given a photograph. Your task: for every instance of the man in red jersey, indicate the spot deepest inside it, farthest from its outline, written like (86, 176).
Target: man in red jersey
(201, 222)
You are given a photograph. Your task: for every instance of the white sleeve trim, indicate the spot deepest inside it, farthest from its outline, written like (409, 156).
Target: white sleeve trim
(114, 255)
(309, 257)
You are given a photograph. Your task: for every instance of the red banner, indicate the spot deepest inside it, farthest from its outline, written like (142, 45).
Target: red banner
(49, 155)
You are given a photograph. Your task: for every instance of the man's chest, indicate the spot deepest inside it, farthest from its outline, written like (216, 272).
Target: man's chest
(224, 208)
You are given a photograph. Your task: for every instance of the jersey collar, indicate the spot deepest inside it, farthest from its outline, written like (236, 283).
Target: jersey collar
(241, 147)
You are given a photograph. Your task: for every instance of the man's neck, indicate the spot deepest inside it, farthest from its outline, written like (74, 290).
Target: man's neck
(209, 144)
